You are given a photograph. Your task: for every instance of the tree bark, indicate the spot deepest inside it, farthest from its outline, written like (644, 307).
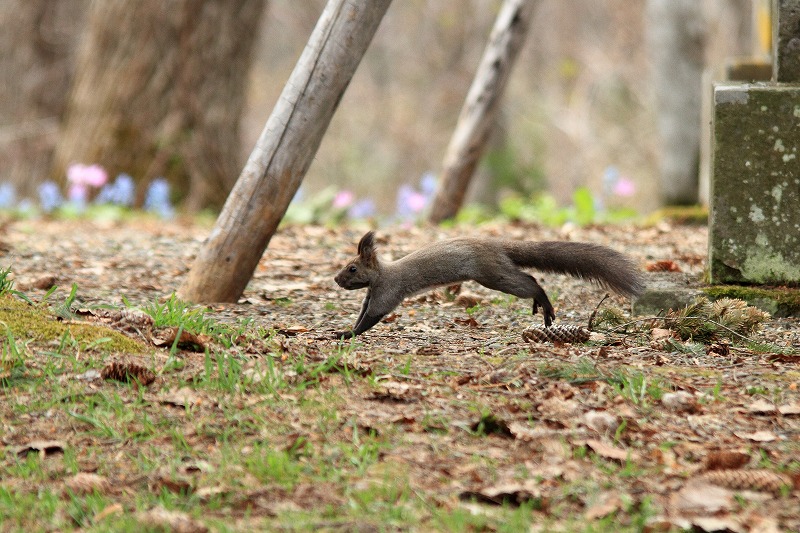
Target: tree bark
(284, 151)
(38, 43)
(478, 113)
(676, 43)
(159, 91)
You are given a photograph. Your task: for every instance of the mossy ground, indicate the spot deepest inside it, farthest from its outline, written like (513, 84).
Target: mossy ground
(37, 324)
(778, 301)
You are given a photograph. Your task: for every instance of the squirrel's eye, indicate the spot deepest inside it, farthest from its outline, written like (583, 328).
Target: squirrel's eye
(352, 268)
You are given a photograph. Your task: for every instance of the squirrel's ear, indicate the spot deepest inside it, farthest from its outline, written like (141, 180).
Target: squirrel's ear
(366, 246)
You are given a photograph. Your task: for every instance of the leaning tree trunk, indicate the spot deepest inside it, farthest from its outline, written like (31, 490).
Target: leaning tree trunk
(38, 42)
(159, 91)
(284, 151)
(477, 115)
(676, 34)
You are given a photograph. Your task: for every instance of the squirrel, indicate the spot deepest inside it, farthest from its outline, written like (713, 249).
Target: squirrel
(495, 264)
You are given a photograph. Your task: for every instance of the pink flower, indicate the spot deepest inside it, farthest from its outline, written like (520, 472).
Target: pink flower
(624, 187)
(83, 175)
(343, 199)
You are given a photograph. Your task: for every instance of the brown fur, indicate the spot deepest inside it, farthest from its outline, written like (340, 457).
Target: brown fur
(495, 264)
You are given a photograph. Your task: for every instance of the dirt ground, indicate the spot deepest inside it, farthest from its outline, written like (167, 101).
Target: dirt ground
(469, 425)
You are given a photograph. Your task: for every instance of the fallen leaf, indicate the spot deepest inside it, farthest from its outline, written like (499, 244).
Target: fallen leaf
(114, 508)
(761, 406)
(602, 422)
(291, 331)
(607, 451)
(789, 409)
(758, 436)
(511, 493)
(680, 401)
(607, 503)
(84, 483)
(43, 447)
(182, 397)
(663, 266)
(697, 497)
(160, 519)
(187, 341)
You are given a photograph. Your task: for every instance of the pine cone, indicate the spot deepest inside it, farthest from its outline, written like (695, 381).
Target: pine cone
(127, 372)
(559, 333)
(759, 480)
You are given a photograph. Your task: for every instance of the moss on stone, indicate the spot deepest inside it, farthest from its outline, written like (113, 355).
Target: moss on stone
(778, 301)
(28, 322)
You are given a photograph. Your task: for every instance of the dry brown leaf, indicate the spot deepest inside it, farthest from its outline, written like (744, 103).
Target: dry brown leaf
(762, 406)
(607, 451)
(789, 409)
(680, 401)
(758, 436)
(697, 497)
(175, 521)
(559, 410)
(467, 300)
(182, 397)
(607, 504)
(513, 493)
(187, 341)
(602, 422)
(42, 447)
(663, 266)
(114, 508)
(86, 483)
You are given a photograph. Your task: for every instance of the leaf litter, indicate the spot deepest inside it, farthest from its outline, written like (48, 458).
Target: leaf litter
(440, 409)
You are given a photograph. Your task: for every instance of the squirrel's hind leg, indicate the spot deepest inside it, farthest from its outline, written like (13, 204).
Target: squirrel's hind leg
(523, 285)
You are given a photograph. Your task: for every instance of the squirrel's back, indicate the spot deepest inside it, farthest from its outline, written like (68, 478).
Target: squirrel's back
(595, 262)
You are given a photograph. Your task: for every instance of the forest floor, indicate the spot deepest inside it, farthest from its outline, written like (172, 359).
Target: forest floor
(439, 418)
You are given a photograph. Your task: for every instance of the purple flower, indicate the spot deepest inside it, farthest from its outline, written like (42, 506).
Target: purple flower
(362, 209)
(49, 196)
(343, 199)
(410, 202)
(121, 192)
(157, 199)
(8, 195)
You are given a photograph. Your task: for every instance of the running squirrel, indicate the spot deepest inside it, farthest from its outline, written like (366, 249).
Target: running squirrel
(492, 263)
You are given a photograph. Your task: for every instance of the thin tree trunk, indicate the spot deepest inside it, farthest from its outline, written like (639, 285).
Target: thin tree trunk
(676, 34)
(159, 91)
(477, 115)
(284, 151)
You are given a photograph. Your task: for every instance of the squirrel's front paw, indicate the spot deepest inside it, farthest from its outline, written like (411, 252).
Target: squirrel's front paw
(342, 335)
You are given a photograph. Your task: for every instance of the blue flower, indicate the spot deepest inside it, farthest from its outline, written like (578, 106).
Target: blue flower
(157, 199)
(428, 184)
(121, 192)
(362, 209)
(49, 196)
(8, 195)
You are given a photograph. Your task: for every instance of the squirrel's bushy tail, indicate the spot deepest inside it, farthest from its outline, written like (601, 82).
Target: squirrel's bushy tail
(601, 264)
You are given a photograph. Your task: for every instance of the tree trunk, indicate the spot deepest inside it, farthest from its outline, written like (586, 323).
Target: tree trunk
(159, 91)
(38, 42)
(477, 115)
(676, 42)
(284, 151)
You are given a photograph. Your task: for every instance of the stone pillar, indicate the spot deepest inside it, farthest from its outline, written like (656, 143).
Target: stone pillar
(786, 41)
(754, 222)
